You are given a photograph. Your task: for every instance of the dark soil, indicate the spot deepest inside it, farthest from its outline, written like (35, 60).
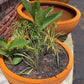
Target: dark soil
(47, 66)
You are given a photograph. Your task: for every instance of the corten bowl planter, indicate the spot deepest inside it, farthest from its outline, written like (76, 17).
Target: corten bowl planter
(15, 79)
(66, 23)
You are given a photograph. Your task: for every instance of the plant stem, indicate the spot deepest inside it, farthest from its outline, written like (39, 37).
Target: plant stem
(57, 59)
(10, 59)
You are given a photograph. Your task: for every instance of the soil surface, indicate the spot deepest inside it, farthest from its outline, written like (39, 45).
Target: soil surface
(47, 66)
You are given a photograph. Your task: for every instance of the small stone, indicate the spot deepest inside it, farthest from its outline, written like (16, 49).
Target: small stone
(42, 72)
(45, 59)
(39, 77)
(36, 72)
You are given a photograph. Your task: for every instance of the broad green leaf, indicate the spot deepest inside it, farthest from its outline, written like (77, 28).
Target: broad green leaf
(36, 9)
(16, 60)
(2, 52)
(38, 2)
(50, 19)
(31, 8)
(39, 16)
(18, 43)
(37, 6)
(28, 6)
(3, 43)
(48, 11)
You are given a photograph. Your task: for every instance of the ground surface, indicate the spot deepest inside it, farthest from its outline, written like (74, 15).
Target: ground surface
(78, 41)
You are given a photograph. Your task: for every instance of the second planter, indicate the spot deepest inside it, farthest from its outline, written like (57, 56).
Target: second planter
(66, 23)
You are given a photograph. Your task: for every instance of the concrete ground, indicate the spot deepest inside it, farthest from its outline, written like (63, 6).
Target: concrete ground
(78, 41)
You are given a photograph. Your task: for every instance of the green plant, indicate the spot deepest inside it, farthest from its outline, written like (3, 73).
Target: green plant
(41, 18)
(20, 29)
(45, 40)
(9, 49)
(39, 35)
(49, 40)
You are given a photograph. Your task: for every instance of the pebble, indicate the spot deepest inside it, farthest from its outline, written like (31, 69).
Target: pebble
(39, 77)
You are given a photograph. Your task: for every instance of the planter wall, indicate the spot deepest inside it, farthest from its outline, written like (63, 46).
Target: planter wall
(64, 1)
(59, 79)
(66, 23)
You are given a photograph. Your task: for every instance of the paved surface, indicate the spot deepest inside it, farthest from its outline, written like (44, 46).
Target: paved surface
(78, 40)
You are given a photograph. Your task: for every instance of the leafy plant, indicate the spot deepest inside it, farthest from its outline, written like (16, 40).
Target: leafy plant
(41, 18)
(8, 49)
(20, 29)
(49, 40)
(28, 59)
(39, 37)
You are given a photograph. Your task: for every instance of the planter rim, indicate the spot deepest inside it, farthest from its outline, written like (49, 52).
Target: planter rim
(62, 75)
(78, 14)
